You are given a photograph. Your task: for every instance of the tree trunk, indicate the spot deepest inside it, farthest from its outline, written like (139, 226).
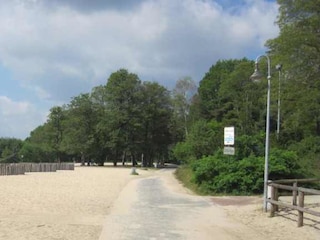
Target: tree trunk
(115, 160)
(82, 159)
(124, 155)
(133, 160)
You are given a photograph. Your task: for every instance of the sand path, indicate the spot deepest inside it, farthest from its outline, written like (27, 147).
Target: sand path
(158, 207)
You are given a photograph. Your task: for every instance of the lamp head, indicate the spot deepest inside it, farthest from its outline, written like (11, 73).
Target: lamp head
(279, 67)
(256, 76)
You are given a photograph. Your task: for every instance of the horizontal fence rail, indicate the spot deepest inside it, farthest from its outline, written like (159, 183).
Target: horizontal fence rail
(22, 168)
(296, 192)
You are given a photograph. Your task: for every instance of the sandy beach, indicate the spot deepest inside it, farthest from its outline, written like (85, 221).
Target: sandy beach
(59, 205)
(70, 205)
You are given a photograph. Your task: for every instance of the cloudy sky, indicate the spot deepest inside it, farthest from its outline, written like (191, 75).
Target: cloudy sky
(52, 50)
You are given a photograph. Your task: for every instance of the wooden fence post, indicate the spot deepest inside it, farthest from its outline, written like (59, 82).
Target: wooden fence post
(2, 169)
(294, 194)
(273, 196)
(276, 198)
(300, 213)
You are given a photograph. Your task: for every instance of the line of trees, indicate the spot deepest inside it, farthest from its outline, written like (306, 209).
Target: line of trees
(124, 120)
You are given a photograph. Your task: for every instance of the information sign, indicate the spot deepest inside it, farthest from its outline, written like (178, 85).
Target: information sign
(229, 136)
(228, 150)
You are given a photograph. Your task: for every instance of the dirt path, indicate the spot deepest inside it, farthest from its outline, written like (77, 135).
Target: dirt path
(158, 207)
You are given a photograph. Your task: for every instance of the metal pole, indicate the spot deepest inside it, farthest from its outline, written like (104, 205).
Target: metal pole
(278, 67)
(266, 160)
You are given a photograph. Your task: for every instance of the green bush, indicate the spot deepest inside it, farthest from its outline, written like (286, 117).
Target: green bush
(203, 139)
(247, 145)
(183, 152)
(284, 164)
(226, 175)
(308, 151)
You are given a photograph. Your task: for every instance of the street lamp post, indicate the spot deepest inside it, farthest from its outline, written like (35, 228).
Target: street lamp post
(255, 77)
(279, 68)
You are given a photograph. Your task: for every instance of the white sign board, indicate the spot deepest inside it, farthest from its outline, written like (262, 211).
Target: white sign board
(229, 150)
(229, 136)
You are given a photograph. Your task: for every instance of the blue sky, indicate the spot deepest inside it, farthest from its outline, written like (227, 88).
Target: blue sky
(53, 50)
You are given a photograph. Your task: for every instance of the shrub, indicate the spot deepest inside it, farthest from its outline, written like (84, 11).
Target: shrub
(182, 152)
(226, 175)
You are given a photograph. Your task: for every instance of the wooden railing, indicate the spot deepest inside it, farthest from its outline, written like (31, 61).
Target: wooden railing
(22, 168)
(296, 191)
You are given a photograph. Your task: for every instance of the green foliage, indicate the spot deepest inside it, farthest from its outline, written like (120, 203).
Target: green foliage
(137, 118)
(298, 48)
(78, 140)
(284, 165)
(203, 140)
(9, 148)
(33, 152)
(309, 150)
(123, 119)
(182, 152)
(224, 174)
(155, 118)
(249, 145)
(55, 129)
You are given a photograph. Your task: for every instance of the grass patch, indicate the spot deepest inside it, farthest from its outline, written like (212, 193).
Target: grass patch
(185, 175)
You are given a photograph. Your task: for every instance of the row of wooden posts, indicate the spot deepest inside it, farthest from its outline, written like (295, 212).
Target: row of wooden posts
(22, 168)
(297, 192)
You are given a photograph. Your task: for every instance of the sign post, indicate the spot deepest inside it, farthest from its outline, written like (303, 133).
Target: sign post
(229, 141)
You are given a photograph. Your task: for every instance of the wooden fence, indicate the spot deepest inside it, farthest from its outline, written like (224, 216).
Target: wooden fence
(22, 168)
(296, 192)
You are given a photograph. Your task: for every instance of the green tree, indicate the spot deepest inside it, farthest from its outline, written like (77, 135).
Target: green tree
(56, 129)
(241, 100)
(79, 127)
(209, 87)
(155, 118)
(298, 48)
(35, 152)
(38, 147)
(122, 95)
(100, 148)
(205, 139)
(227, 95)
(9, 148)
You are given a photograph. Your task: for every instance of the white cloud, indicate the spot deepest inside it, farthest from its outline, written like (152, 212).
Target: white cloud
(61, 48)
(18, 118)
(10, 108)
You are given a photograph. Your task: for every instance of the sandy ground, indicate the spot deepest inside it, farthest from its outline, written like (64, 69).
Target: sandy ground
(64, 205)
(70, 205)
(249, 212)
(241, 217)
